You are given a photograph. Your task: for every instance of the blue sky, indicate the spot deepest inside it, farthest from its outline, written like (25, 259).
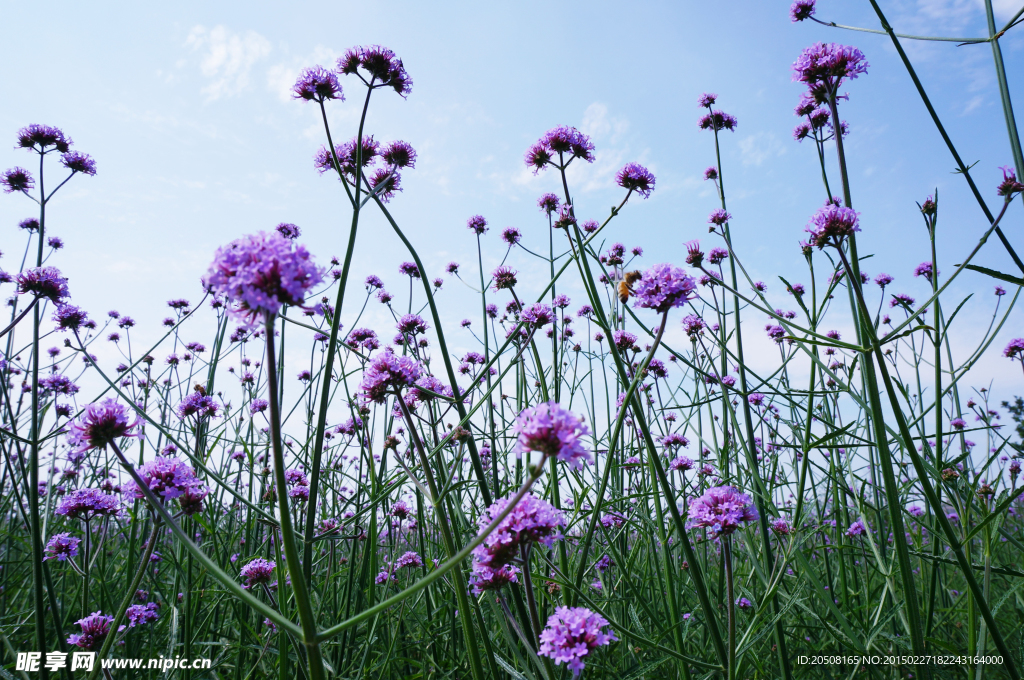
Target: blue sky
(186, 110)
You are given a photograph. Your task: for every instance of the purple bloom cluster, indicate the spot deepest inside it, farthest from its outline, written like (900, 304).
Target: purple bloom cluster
(44, 282)
(257, 571)
(166, 477)
(559, 142)
(199, 405)
(385, 69)
(85, 504)
(801, 9)
(317, 84)
(827, 64)
(62, 547)
(76, 161)
(261, 272)
(571, 634)
(721, 509)
(1009, 186)
(485, 578)
(16, 179)
(95, 628)
(409, 560)
(832, 223)
(388, 373)
(924, 270)
(69, 317)
(552, 430)
(1014, 349)
(477, 224)
(141, 614)
(636, 177)
(663, 287)
(100, 424)
(533, 520)
(538, 314)
(717, 120)
(39, 137)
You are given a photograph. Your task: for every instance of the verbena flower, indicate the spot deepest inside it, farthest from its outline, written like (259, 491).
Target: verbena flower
(538, 314)
(85, 504)
(199, 405)
(261, 272)
(1009, 186)
(719, 217)
(166, 477)
(409, 560)
(548, 203)
(831, 224)
(924, 270)
(717, 120)
(557, 142)
(856, 529)
(571, 634)
(76, 161)
(258, 571)
(95, 628)
(17, 179)
(62, 547)
(551, 430)
(288, 230)
(191, 500)
(388, 373)
(511, 236)
(40, 137)
(693, 325)
(624, 340)
(781, 526)
(317, 84)
(663, 287)
(484, 578)
(722, 509)
(385, 69)
(707, 100)
(477, 224)
(100, 424)
(533, 520)
(1014, 349)
(141, 614)
(504, 278)
(44, 282)
(801, 9)
(828, 64)
(636, 177)
(411, 324)
(399, 154)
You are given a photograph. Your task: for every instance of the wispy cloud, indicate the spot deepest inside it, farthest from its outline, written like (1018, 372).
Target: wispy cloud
(226, 58)
(759, 147)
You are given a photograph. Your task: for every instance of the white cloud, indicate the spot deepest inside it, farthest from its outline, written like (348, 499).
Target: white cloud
(226, 57)
(758, 148)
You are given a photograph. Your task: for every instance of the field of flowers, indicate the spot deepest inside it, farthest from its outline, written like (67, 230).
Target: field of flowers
(574, 497)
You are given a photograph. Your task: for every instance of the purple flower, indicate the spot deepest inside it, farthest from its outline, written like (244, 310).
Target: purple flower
(350, 155)
(548, 203)
(623, 340)
(1009, 186)
(832, 222)
(856, 529)
(755, 399)
(76, 161)
(385, 183)
(385, 69)
(693, 325)
(45, 282)
(1014, 348)
(744, 603)
(553, 431)
(409, 560)
(537, 314)
(776, 333)
(388, 373)
(258, 406)
(721, 509)
(409, 269)
(199, 405)
(69, 317)
(289, 231)
(560, 141)
(883, 280)
(711, 173)
(781, 526)
(16, 179)
(100, 424)
(141, 614)
(571, 634)
(38, 137)
(429, 382)
(958, 423)
(511, 236)
(62, 547)
(924, 269)
(86, 504)
(717, 120)
(681, 464)
(827, 64)
(801, 9)
(485, 578)
(191, 500)
(411, 324)
(504, 278)
(257, 572)
(29, 224)
(636, 177)
(166, 477)
(663, 287)
(95, 628)
(399, 154)
(317, 84)
(533, 520)
(477, 224)
(1000, 291)
(260, 273)
(707, 100)
(719, 217)
(57, 384)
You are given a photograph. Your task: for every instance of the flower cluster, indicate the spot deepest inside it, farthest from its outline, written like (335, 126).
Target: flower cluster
(100, 424)
(62, 547)
(261, 272)
(95, 628)
(831, 224)
(558, 143)
(636, 177)
(317, 84)
(388, 373)
(257, 572)
(384, 68)
(166, 477)
(663, 287)
(827, 64)
(552, 430)
(722, 509)
(571, 634)
(85, 504)
(141, 614)
(533, 520)
(44, 282)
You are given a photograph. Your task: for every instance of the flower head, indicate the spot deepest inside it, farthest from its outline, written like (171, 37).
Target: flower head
(719, 217)
(76, 161)
(856, 529)
(636, 177)
(477, 224)
(385, 69)
(511, 236)
(924, 270)
(533, 520)
(560, 142)
(717, 120)
(409, 560)
(828, 63)
(261, 272)
(553, 431)
(388, 373)
(166, 477)
(707, 100)
(571, 634)
(537, 314)
(504, 278)
(86, 504)
(258, 571)
(801, 9)
(399, 154)
(95, 628)
(62, 547)
(141, 614)
(1015, 349)
(832, 222)
(317, 84)
(16, 179)
(100, 424)
(1009, 186)
(485, 578)
(39, 137)
(45, 282)
(721, 509)
(69, 317)
(199, 405)
(548, 203)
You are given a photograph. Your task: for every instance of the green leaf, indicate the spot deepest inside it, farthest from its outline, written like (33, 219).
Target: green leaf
(996, 275)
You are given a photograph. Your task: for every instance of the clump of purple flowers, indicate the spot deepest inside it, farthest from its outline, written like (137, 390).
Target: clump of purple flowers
(199, 405)
(827, 64)
(317, 84)
(636, 177)
(100, 424)
(85, 504)
(62, 547)
(44, 282)
(663, 287)
(141, 614)
(257, 572)
(166, 477)
(261, 272)
(571, 634)
(384, 68)
(558, 143)
(552, 430)
(95, 628)
(801, 9)
(388, 373)
(722, 509)
(832, 223)
(533, 520)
